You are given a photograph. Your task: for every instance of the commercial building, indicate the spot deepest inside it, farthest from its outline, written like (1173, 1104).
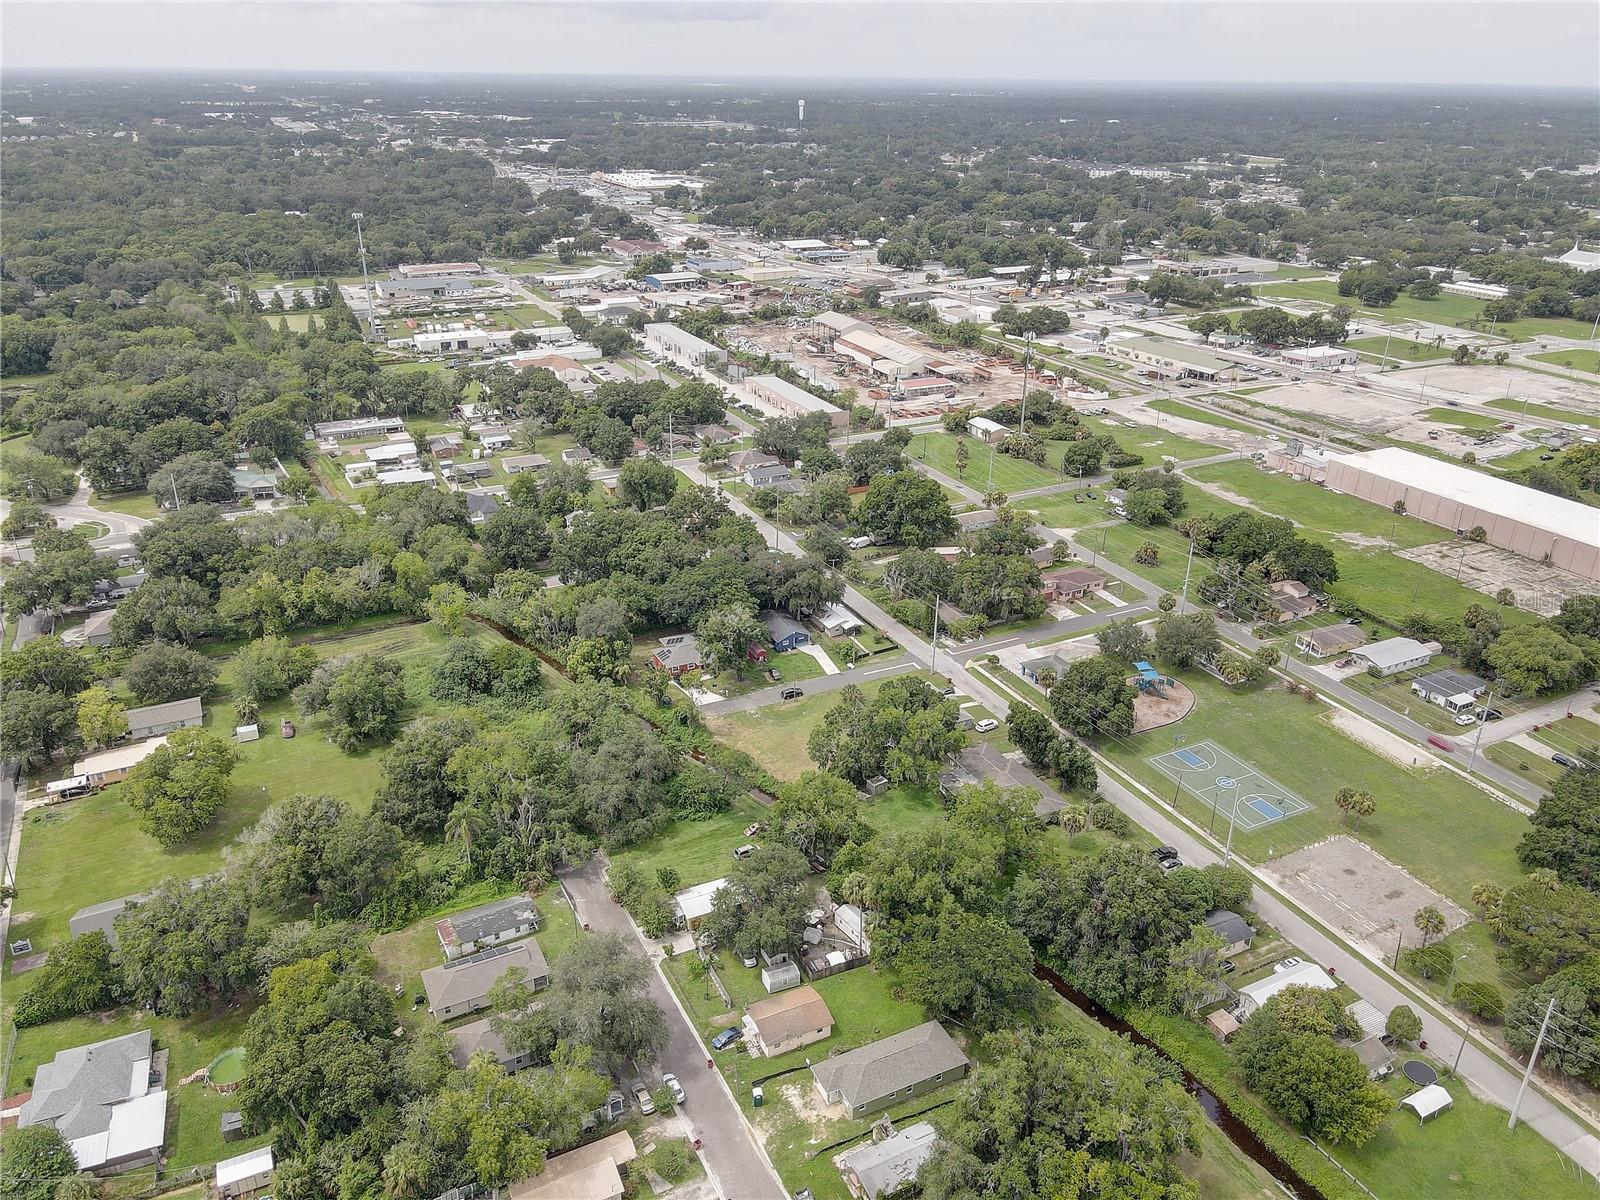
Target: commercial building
(713, 262)
(829, 325)
(881, 355)
(1321, 358)
(672, 281)
(434, 270)
(787, 1022)
(447, 341)
(892, 1070)
(675, 343)
(986, 430)
(630, 249)
(1550, 529)
(461, 987)
(794, 401)
(1173, 359)
(487, 925)
(358, 428)
(1475, 290)
(107, 1100)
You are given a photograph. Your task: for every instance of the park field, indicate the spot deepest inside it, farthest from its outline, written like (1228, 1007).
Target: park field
(1443, 310)
(1152, 442)
(1577, 360)
(1009, 474)
(1399, 349)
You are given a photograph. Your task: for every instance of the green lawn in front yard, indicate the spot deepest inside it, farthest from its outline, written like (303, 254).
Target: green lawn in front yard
(1537, 767)
(938, 450)
(129, 504)
(1437, 825)
(1572, 736)
(1547, 412)
(1577, 360)
(1177, 408)
(698, 850)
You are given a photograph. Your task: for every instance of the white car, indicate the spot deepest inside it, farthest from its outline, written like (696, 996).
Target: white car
(987, 725)
(670, 1082)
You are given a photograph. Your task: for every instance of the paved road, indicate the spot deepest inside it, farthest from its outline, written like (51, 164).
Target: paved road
(739, 1170)
(875, 668)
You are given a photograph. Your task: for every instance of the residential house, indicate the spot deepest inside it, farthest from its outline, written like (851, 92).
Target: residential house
(107, 1100)
(1233, 929)
(468, 468)
(1457, 691)
(392, 455)
(786, 633)
(444, 445)
(406, 477)
(462, 986)
(244, 1174)
(678, 654)
(1305, 974)
(464, 933)
(254, 485)
(112, 766)
(102, 917)
(494, 440)
(787, 1022)
(577, 454)
(95, 630)
(1375, 1056)
(838, 621)
(1290, 600)
(743, 460)
(1396, 654)
(516, 464)
(694, 903)
(1329, 640)
(481, 506)
(1033, 668)
(154, 719)
(882, 1166)
(978, 518)
(714, 435)
(892, 1070)
(467, 1040)
(1071, 583)
(592, 1172)
(766, 476)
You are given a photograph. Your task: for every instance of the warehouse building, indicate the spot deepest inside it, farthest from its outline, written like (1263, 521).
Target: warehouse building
(884, 356)
(1172, 359)
(793, 401)
(1561, 533)
(1321, 358)
(675, 343)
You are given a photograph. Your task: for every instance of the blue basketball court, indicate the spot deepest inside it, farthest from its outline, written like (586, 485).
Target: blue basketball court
(1229, 785)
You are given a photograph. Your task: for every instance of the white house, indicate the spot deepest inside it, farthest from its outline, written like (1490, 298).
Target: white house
(1253, 995)
(1393, 655)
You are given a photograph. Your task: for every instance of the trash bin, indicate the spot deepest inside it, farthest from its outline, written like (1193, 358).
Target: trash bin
(756, 1096)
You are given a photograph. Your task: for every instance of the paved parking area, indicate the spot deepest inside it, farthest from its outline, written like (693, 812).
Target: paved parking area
(1372, 899)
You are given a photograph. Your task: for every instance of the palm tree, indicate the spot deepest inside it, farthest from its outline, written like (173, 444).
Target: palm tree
(1362, 804)
(1074, 820)
(464, 824)
(1429, 922)
(405, 1171)
(1487, 896)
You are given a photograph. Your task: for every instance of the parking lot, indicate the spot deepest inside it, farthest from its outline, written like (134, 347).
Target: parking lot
(1373, 900)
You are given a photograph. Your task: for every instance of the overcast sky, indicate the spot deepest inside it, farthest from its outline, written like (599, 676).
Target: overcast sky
(1507, 43)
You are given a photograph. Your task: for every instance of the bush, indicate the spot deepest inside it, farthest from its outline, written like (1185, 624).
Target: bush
(672, 1160)
(1427, 961)
(1403, 1025)
(1482, 1000)
(1105, 816)
(77, 978)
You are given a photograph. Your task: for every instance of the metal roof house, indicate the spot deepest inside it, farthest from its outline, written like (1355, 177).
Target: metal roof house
(892, 1070)
(694, 903)
(1329, 640)
(837, 620)
(1253, 995)
(105, 1100)
(462, 986)
(881, 1167)
(464, 933)
(245, 1173)
(1393, 655)
(112, 766)
(155, 719)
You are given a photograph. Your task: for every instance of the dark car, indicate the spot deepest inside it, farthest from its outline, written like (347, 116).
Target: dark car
(727, 1038)
(1229, 966)
(790, 694)
(1489, 714)
(1561, 760)
(1164, 852)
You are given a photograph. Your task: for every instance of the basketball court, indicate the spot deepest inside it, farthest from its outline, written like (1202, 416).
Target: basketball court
(1229, 785)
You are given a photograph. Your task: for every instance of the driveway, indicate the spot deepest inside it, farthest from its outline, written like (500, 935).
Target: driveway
(736, 1166)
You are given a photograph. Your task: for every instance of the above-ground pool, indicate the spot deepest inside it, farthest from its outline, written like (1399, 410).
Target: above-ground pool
(227, 1069)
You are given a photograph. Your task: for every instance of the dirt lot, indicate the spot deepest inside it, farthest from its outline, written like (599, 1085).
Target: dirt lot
(1538, 588)
(1373, 899)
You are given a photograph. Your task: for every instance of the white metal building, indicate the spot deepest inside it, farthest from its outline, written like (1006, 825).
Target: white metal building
(1321, 358)
(668, 339)
(793, 401)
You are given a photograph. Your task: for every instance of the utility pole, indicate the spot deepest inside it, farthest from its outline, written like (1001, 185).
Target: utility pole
(366, 281)
(1183, 601)
(1473, 757)
(1027, 358)
(933, 658)
(1538, 1044)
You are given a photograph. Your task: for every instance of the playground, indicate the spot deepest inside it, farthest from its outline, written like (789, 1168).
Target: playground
(1162, 700)
(1230, 786)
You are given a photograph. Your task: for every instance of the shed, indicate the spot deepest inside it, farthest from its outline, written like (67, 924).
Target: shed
(247, 733)
(1427, 1102)
(246, 1173)
(1222, 1024)
(231, 1126)
(780, 977)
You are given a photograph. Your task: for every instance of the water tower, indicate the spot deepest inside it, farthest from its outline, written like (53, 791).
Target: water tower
(802, 112)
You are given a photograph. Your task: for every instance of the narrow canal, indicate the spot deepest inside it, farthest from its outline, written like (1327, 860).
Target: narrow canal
(1218, 1113)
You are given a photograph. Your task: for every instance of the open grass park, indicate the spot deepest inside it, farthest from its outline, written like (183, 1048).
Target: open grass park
(1190, 412)
(1382, 349)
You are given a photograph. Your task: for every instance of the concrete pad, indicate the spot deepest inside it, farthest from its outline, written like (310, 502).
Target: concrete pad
(1370, 898)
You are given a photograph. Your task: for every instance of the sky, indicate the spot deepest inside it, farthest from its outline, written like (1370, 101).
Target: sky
(1510, 43)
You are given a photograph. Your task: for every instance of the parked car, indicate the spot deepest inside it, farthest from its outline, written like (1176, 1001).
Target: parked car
(1164, 852)
(772, 674)
(754, 828)
(1561, 760)
(670, 1082)
(987, 725)
(1439, 743)
(727, 1037)
(1465, 718)
(1285, 964)
(641, 1096)
(790, 693)
(746, 850)
(1489, 714)
(1229, 966)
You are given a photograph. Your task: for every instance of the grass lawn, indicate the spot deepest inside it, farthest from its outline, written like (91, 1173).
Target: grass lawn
(1466, 420)
(1177, 408)
(1527, 762)
(130, 504)
(1578, 360)
(1400, 349)
(1571, 736)
(1547, 412)
(938, 450)
(1441, 828)
(1155, 444)
(194, 1109)
(1314, 508)
(697, 850)
(1443, 310)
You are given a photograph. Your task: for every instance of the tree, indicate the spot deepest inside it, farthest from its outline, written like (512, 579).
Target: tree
(646, 483)
(29, 475)
(417, 794)
(180, 787)
(1093, 698)
(185, 944)
(1429, 922)
(910, 509)
(63, 572)
(1403, 1024)
(971, 967)
(1032, 733)
(465, 825)
(817, 814)
(599, 997)
(1574, 1047)
(38, 724)
(270, 667)
(1287, 1056)
(516, 536)
(1147, 554)
(48, 665)
(1538, 658)
(1565, 833)
(101, 719)
(162, 672)
(1022, 1131)
(1123, 640)
(763, 906)
(1354, 802)
(1194, 971)
(314, 848)
(78, 977)
(196, 478)
(36, 1160)
(725, 635)
(1546, 925)
(362, 698)
(962, 457)
(1185, 641)
(170, 610)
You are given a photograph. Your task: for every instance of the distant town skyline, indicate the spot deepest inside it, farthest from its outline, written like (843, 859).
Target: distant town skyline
(1533, 44)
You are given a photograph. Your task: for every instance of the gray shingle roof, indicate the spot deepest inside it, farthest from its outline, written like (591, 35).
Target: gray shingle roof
(164, 714)
(781, 625)
(471, 978)
(884, 1067)
(1229, 926)
(77, 1089)
(487, 920)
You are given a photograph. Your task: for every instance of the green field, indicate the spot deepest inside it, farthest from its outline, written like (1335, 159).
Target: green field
(1177, 408)
(1465, 420)
(1155, 444)
(129, 504)
(1440, 827)
(1547, 412)
(1009, 474)
(1578, 360)
(697, 850)
(1400, 349)
(1445, 310)
(1537, 767)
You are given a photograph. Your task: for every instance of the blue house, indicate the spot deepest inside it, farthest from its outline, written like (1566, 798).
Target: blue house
(785, 632)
